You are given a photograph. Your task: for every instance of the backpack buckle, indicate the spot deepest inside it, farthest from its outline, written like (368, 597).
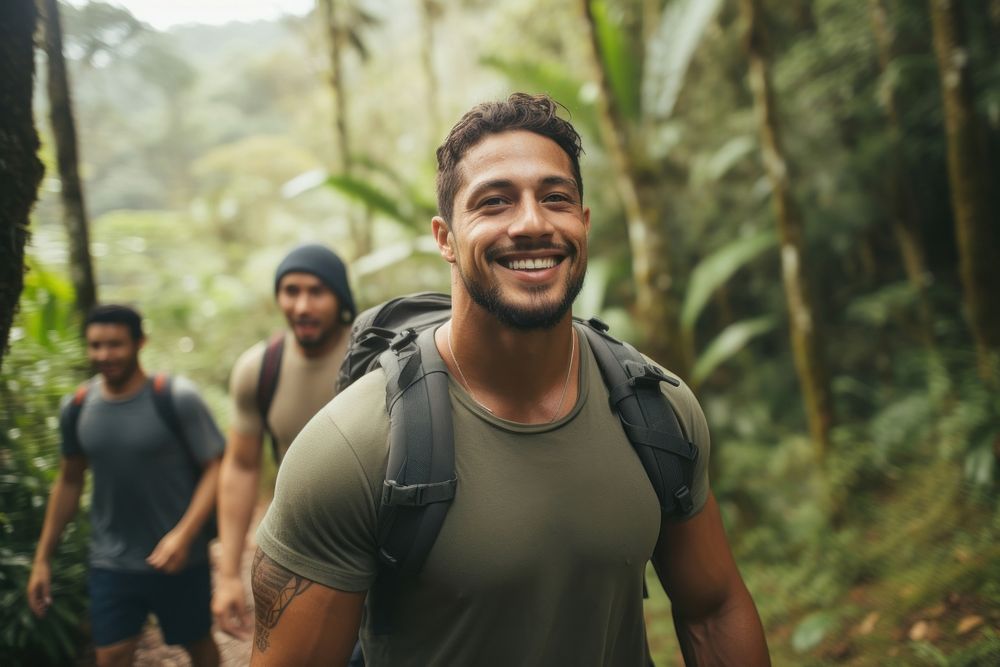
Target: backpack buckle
(684, 500)
(598, 324)
(417, 495)
(647, 375)
(402, 339)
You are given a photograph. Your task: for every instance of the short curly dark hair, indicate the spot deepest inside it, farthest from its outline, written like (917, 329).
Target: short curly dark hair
(520, 111)
(112, 313)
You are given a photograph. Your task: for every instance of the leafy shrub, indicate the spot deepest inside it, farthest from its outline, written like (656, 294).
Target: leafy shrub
(43, 364)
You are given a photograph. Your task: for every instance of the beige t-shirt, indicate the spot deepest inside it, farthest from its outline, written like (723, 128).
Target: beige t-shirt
(541, 557)
(305, 385)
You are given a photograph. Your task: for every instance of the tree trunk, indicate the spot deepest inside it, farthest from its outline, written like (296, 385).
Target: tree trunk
(969, 176)
(336, 33)
(807, 345)
(335, 51)
(655, 307)
(430, 11)
(64, 133)
(903, 209)
(20, 168)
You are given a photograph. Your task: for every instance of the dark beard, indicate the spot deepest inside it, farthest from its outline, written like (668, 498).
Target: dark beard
(315, 343)
(525, 319)
(129, 369)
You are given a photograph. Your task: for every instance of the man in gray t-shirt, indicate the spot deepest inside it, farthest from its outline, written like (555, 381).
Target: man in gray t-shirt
(154, 451)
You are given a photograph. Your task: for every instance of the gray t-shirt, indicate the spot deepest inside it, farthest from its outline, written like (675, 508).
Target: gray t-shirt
(541, 557)
(143, 476)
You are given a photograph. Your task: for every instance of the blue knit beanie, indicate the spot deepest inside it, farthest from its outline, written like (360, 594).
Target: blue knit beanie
(323, 263)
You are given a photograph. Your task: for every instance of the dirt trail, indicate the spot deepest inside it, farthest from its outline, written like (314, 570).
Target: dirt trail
(152, 652)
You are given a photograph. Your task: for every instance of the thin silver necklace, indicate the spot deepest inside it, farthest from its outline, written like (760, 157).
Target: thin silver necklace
(565, 389)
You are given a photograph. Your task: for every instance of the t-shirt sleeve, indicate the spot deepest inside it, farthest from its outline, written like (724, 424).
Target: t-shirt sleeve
(246, 418)
(68, 446)
(203, 434)
(695, 427)
(322, 522)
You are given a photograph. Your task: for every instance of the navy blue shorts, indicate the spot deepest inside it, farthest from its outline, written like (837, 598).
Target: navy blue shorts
(120, 603)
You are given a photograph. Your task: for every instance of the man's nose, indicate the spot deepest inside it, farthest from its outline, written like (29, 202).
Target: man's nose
(532, 219)
(302, 303)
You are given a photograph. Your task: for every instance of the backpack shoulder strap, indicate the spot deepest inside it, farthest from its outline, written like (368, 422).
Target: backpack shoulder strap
(163, 401)
(646, 416)
(375, 328)
(267, 383)
(70, 417)
(420, 479)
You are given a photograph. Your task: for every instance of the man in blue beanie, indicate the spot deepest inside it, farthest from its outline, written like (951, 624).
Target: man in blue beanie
(276, 387)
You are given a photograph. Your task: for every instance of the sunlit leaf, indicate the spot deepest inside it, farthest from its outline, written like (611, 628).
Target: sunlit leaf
(669, 52)
(728, 343)
(722, 160)
(980, 463)
(390, 255)
(812, 630)
(620, 66)
(369, 195)
(714, 270)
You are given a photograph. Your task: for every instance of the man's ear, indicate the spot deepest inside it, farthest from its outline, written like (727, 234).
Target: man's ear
(444, 238)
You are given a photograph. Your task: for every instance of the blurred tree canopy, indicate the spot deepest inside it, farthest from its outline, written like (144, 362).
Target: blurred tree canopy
(794, 206)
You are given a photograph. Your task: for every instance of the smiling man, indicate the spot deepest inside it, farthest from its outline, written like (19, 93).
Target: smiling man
(276, 387)
(154, 450)
(541, 556)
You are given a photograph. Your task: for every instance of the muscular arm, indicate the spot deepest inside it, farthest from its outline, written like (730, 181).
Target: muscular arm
(238, 483)
(64, 501)
(715, 618)
(300, 622)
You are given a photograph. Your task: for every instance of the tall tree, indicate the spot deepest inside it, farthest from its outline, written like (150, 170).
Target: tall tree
(969, 175)
(650, 267)
(807, 346)
(20, 168)
(64, 132)
(903, 210)
(343, 22)
(629, 104)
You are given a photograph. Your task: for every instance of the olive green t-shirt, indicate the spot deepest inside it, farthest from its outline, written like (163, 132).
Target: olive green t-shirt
(305, 385)
(541, 557)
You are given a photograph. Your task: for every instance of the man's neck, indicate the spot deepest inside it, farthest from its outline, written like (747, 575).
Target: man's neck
(126, 388)
(520, 375)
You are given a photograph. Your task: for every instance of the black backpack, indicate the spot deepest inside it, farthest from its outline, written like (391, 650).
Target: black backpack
(163, 401)
(420, 478)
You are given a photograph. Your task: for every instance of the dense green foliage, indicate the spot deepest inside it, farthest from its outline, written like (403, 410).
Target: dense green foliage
(40, 369)
(211, 150)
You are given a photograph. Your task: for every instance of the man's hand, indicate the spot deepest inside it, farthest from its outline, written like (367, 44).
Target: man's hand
(171, 553)
(230, 608)
(40, 588)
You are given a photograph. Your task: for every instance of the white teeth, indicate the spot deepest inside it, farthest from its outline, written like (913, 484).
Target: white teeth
(528, 264)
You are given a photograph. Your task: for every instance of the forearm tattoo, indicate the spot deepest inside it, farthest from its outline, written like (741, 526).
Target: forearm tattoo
(274, 588)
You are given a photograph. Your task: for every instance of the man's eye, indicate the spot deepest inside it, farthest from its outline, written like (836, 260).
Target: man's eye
(557, 197)
(493, 201)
